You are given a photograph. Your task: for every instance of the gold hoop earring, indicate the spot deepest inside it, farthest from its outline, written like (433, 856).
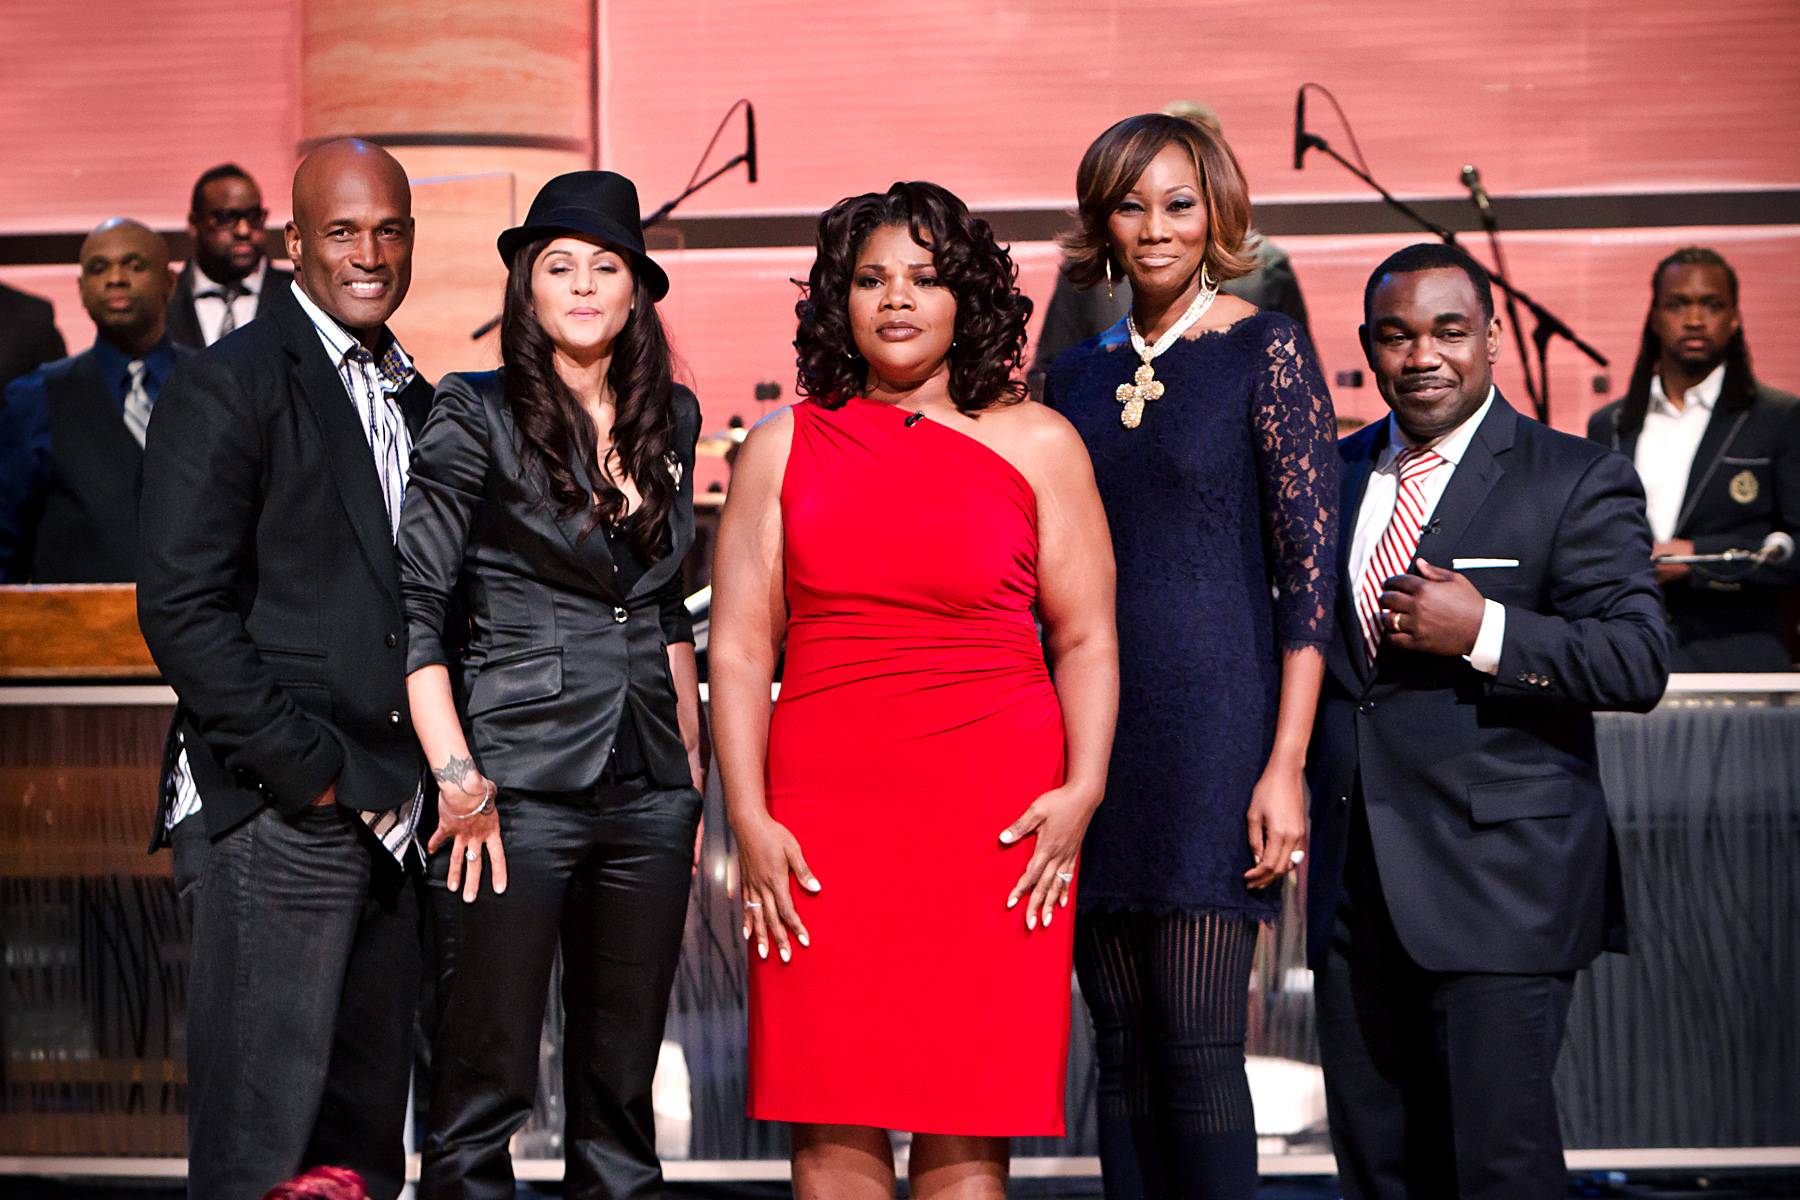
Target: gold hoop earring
(1206, 279)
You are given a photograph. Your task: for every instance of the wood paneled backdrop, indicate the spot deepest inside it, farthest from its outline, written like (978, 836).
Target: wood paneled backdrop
(113, 106)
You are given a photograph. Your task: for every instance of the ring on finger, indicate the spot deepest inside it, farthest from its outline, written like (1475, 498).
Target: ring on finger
(472, 853)
(1066, 876)
(753, 904)
(1297, 857)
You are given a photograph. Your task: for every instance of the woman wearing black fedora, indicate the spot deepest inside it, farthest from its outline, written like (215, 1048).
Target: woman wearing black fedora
(553, 500)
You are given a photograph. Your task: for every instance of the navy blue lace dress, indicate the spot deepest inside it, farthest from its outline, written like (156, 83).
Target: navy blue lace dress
(1223, 505)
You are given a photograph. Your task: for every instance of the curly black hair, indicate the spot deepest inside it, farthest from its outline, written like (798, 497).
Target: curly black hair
(989, 346)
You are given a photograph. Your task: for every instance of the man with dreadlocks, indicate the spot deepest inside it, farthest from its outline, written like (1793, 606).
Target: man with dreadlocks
(1719, 455)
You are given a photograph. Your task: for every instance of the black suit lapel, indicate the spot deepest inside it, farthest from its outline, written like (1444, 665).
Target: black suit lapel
(1346, 657)
(352, 462)
(1721, 428)
(681, 536)
(184, 323)
(1468, 488)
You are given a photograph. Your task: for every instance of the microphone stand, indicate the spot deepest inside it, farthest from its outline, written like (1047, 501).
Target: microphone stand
(1549, 325)
(1536, 390)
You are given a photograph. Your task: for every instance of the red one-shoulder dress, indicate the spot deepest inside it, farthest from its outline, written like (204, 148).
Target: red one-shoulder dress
(916, 720)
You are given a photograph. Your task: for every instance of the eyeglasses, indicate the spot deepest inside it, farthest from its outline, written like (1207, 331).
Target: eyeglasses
(221, 219)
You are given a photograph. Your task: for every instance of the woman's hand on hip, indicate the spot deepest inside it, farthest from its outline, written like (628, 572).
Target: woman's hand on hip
(469, 820)
(1277, 821)
(1059, 820)
(767, 852)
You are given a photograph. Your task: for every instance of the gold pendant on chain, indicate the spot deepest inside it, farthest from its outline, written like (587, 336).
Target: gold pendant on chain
(1143, 388)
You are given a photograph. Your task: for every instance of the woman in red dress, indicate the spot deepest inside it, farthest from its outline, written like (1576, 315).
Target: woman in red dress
(924, 779)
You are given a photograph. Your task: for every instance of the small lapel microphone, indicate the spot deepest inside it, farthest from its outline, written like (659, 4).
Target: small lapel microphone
(915, 419)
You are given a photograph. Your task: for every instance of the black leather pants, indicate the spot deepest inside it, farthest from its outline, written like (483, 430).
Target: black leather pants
(605, 875)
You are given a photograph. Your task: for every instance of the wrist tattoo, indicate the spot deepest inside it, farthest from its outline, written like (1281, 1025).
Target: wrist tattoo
(455, 770)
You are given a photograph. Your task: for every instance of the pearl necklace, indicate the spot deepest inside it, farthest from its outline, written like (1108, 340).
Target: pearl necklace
(1145, 386)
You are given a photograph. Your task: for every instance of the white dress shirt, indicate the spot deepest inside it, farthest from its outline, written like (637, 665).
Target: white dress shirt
(1378, 509)
(1667, 445)
(210, 310)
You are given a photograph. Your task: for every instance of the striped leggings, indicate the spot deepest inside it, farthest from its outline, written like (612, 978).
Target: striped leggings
(1169, 995)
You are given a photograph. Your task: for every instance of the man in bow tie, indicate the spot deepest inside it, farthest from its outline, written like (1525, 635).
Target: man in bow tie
(1496, 590)
(72, 432)
(228, 282)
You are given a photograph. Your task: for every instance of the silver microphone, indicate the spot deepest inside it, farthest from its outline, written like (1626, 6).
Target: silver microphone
(1776, 549)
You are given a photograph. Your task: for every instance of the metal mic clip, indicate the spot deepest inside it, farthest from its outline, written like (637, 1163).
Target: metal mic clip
(914, 419)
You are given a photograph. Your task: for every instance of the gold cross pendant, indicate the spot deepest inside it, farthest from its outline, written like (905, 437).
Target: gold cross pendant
(1144, 387)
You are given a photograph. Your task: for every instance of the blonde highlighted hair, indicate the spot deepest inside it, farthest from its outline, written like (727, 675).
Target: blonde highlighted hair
(1110, 169)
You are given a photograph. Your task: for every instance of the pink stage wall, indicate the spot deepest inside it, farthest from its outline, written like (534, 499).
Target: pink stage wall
(113, 107)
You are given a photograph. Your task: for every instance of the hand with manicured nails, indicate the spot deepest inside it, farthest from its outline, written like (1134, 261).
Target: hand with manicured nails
(767, 852)
(1059, 819)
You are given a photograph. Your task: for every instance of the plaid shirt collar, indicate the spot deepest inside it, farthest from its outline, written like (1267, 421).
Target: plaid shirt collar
(394, 367)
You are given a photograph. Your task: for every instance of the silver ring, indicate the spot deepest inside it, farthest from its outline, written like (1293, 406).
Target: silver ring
(1297, 857)
(472, 853)
(1066, 876)
(753, 904)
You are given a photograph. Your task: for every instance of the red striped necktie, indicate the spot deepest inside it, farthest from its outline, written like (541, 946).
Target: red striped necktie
(1394, 553)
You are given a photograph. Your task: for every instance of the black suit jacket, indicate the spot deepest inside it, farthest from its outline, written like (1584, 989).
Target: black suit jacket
(1483, 792)
(267, 586)
(184, 323)
(85, 526)
(28, 334)
(1744, 483)
(555, 650)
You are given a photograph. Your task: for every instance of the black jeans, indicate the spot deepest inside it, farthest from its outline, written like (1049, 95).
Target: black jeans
(1437, 1083)
(301, 1000)
(604, 874)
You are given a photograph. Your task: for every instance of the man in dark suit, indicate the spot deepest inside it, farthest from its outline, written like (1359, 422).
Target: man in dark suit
(72, 432)
(269, 595)
(1719, 456)
(28, 334)
(1463, 868)
(228, 282)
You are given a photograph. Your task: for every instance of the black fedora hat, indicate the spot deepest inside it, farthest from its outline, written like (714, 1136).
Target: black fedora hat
(600, 204)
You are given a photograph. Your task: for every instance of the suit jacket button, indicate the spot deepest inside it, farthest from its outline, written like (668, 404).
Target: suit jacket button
(393, 639)
(394, 717)
(619, 616)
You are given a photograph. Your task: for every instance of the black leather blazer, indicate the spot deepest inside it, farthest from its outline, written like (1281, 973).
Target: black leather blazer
(555, 650)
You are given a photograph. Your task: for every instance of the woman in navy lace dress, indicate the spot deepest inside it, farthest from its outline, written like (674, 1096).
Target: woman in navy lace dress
(1211, 435)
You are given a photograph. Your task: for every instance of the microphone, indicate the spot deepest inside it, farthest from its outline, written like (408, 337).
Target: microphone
(750, 139)
(916, 418)
(1777, 548)
(1471, 179)
(1301, 141)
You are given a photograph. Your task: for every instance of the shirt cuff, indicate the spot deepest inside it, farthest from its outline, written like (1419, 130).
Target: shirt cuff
(1485, 657)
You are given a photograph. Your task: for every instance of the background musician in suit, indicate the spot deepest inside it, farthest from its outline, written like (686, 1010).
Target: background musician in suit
(1462, 866)
(1719, 455)
(72, 432)
(28, 334)
(557, 495)
(228, 282)
(270, 598)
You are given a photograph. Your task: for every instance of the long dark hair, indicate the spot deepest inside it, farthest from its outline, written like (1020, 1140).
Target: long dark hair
(552, 424)
(1740, 381)
(989, 342)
